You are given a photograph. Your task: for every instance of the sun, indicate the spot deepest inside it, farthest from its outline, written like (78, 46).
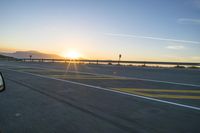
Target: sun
(72, 55)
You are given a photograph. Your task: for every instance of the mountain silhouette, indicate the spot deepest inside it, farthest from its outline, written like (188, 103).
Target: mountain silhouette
(35, 54)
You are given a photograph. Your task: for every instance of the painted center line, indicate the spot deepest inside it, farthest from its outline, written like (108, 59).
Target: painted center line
(146, 92)
(160, 90)
(85, 77)
(114, 91)
(133, 78)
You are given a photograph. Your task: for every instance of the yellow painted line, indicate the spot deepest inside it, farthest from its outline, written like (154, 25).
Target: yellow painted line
(162, 90)
(86, 78)
(90, 78)
(30, 70)
(74, 75)
(158, 95)
(37, 69)
(83, 77)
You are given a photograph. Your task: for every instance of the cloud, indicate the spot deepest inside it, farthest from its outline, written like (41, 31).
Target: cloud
(152, 38)
(189, 21)
(175, 47)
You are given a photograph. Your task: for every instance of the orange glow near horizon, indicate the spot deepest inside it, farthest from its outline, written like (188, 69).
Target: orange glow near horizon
(72, 54)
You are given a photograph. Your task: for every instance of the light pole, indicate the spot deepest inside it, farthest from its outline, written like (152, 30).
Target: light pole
(120, 56)
(30, 57)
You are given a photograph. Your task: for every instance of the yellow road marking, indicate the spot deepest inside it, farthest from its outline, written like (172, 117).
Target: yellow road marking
(30, 70)
(72, 75)
(84, 77)
(135, 91)
(37, 69)
(162, 90)
(81, 78)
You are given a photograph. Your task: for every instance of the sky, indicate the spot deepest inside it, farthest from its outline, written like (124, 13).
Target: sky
(156, 30)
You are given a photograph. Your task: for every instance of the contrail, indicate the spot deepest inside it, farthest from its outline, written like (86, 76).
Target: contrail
(152, 38)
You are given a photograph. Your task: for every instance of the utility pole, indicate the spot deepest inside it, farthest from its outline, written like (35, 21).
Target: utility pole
(120, 56)
(30, 57)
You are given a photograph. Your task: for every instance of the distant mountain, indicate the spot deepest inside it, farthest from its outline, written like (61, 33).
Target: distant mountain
(3, 57)
(35, 54)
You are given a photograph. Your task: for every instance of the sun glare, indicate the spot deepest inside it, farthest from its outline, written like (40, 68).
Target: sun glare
(73, 55)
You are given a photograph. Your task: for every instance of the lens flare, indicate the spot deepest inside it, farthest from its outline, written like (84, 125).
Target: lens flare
(73, 55)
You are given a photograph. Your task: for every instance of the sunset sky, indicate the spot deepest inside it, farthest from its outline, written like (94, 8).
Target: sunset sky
(160, 30)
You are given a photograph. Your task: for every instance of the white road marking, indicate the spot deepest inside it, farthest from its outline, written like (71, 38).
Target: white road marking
(133, 78)
(101, 88)
(142, 79)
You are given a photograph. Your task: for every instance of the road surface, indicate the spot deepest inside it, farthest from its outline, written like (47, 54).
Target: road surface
(60, 98)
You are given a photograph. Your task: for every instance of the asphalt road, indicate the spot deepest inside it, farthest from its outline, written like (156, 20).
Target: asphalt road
(54, 97)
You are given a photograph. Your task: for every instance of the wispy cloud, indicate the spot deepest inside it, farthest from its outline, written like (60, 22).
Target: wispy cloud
(176, 47)
(153, 38)
(189, 21)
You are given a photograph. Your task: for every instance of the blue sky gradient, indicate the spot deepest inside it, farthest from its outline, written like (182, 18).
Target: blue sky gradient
(138, 29)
